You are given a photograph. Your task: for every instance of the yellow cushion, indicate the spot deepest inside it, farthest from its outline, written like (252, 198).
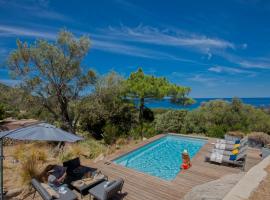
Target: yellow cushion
(51, 191)
(236, 146)
(235, 151)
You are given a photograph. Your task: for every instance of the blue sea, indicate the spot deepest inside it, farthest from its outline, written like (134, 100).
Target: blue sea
(166, 104)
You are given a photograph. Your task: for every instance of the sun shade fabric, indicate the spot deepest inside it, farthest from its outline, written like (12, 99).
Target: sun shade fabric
(41, 132)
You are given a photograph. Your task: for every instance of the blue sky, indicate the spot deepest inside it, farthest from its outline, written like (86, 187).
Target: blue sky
(218, 48)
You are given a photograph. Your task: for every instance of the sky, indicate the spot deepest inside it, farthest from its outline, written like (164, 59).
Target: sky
(218, 48)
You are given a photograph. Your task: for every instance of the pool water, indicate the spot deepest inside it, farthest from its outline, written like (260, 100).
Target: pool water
(161, 158)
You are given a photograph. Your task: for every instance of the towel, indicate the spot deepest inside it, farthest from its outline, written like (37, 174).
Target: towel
(216, 157)
(220, 146)
(233, 157)
(221, 141)
(235, 151)
(219, 151)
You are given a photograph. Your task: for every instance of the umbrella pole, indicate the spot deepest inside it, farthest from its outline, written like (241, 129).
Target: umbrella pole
(2, 171)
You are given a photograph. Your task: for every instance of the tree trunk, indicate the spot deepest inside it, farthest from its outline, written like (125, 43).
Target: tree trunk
(141, 116)
(67, 122)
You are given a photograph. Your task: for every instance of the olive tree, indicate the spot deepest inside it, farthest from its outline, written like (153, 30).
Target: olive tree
(52, 71)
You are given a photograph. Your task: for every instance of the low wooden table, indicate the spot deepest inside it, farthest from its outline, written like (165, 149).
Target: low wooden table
(83, 185)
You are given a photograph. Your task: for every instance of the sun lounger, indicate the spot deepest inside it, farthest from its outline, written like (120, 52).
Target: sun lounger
(239, 160)
(229, 144)
(106, 190)
(230, 152)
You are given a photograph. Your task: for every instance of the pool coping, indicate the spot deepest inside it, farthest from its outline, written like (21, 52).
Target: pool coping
(111, 158)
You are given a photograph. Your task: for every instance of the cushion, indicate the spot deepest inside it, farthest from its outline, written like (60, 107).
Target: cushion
(72, 164)
(51, 191)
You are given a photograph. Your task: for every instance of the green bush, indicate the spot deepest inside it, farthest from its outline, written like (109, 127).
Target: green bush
(2, 111)
(111, 133)
(215, 118)
(217, 131)
(171, 121)
(95, 148)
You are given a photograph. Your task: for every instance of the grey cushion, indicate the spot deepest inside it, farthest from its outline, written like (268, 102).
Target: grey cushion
(105, 193)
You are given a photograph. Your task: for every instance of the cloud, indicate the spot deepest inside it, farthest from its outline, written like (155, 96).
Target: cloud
(98, 43)
(255, 63)
(8, 31)
(34, 8)
(245, 62)
(131, 50)
(230, 70)
(167, 37)
(208, 81)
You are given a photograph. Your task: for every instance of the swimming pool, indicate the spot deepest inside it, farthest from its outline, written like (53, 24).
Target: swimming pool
(162, 157)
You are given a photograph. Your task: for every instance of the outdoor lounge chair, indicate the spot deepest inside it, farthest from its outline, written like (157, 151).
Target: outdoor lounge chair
(240, 160)
(230, 144)
(103, 192)
(45, 194)
(75, 171)
(223, 152)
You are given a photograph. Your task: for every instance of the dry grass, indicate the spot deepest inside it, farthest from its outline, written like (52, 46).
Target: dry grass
(236, 134)
(24, 161)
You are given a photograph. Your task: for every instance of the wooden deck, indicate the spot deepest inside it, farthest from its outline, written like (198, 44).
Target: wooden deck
(139, 186)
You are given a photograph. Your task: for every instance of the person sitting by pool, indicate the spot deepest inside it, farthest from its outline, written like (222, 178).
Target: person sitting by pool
(186, 160)
(55, 176)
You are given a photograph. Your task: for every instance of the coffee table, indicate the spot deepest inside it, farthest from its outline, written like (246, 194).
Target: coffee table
(83, 185)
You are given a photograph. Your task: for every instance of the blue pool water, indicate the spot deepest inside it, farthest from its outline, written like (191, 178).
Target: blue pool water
(161, 158)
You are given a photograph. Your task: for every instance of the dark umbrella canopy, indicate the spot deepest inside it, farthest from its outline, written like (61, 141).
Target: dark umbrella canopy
(41, 132)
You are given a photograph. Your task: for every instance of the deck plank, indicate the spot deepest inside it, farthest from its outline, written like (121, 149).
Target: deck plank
(143, 186)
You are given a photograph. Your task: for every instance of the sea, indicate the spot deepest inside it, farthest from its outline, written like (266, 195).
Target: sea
(165, 103)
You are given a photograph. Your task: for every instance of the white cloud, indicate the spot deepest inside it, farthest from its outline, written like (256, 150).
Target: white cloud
(230, 70)
(127, 49)
(166, 37)
(8, 31)
(255, 63)
(35, 8)
(208, 81)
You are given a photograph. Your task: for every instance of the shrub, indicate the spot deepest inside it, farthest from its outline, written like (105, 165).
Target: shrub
(148, 130)
(217, 131)
(171, 121)
(215, 118)
(30, 167)
(110, 133)
(65, 156)
(238, 134)
(93, 148)
(259, 138)
(121, 141)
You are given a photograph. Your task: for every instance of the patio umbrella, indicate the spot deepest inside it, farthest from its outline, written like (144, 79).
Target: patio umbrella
(35, 132)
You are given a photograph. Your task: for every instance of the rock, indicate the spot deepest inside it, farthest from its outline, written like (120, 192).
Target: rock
(214, 190)
(144, 139)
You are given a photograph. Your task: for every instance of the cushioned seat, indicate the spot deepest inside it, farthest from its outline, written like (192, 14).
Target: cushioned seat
(101, 192)
(69, 195)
